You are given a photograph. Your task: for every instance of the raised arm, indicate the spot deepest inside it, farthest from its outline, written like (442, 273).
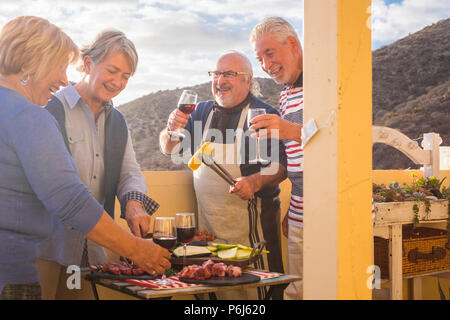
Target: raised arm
(177, 120)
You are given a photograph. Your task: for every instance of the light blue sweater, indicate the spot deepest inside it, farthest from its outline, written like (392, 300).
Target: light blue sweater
(38, 182)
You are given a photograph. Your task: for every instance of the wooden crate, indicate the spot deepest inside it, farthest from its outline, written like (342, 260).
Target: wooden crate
(401, 213)
(424, 251)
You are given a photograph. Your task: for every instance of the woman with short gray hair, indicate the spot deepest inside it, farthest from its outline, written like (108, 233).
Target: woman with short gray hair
(110, 41)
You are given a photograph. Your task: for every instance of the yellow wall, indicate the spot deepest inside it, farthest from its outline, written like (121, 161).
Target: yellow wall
(354, 90)
(337, 161)
(400, 176)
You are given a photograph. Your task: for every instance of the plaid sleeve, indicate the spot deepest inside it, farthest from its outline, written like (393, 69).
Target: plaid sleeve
(148, 203)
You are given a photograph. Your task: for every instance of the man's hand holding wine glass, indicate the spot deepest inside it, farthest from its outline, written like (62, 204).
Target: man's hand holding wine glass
(286, 130)
(177, 120)
(170, 137)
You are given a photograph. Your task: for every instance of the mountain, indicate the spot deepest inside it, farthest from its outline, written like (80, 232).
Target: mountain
(411, 81)
(410, 93)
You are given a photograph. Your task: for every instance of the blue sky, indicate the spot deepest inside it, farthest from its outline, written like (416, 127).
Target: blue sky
(178, 42)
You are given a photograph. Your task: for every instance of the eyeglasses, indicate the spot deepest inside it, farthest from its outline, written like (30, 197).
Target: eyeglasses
(226, 74)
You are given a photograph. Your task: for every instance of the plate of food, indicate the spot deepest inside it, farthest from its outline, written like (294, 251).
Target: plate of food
(218, 274)
(229, 254)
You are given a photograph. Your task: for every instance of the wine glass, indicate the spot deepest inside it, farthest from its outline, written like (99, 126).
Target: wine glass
(252, 113)
(185, 223)
(186, 104)
(165, 232)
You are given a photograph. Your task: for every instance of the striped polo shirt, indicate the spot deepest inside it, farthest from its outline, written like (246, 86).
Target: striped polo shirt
(291, 108)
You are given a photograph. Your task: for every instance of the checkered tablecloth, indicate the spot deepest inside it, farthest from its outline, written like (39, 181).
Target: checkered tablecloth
(175, 283)
(264, 275)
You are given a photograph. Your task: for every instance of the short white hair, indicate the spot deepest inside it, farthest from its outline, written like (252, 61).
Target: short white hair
(280, 28)
(255, 88)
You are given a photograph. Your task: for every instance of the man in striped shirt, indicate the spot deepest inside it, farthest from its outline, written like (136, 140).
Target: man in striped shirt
(279, 52)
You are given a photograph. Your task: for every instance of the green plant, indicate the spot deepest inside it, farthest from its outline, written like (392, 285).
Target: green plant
(446, 195)
(420, 189)
(446, 192)
(416, 212)
(427, 207)
(416, 215)
(170, 272)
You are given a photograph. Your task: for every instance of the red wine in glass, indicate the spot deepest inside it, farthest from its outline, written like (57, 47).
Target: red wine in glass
(185, 222)
(165, 232)
(187, 101)
(186, 104)
(166, 242)
(186, 107)
(185, 233)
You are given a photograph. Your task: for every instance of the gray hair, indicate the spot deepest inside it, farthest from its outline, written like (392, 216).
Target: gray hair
(110, 41)
(280, 28)
(255, 88)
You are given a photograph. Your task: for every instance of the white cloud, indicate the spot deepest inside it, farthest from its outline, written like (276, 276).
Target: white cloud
(396, 20)
(178, 41)
(248, 9)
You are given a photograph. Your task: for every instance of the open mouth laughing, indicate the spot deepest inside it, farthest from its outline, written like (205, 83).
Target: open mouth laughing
(53, 89)
(275, 71)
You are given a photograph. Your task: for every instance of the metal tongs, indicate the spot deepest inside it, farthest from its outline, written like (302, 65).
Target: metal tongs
(217, 168)
(204, 155)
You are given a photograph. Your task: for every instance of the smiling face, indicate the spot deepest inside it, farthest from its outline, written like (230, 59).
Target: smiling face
(282, 61)
(107, 78)
(39, 92)
(229, 92)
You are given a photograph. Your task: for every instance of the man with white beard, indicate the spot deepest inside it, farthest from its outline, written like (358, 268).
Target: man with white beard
(225, 210)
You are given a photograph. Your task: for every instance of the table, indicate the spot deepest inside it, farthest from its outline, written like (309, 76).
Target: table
(388, 221)
(146, 293)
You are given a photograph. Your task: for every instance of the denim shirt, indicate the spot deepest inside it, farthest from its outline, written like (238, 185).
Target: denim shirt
(38, 183)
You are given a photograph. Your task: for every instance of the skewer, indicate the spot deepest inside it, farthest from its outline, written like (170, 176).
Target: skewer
(127, 262)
